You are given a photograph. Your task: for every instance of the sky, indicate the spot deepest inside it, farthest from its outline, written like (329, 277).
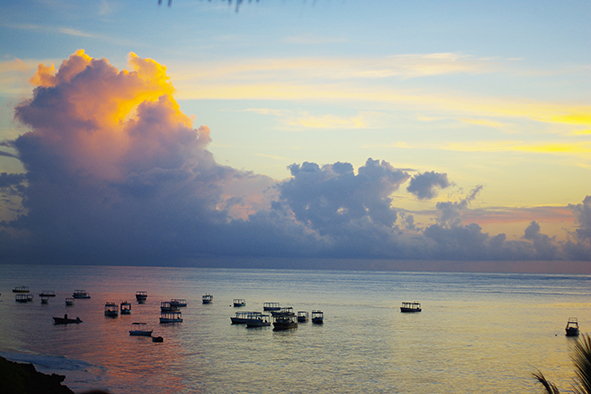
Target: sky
(132, 132)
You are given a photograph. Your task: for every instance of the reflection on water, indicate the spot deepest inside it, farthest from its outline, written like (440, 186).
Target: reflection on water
(483, 332)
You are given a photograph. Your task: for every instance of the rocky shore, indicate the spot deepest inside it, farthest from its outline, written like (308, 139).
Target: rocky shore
(16, 378)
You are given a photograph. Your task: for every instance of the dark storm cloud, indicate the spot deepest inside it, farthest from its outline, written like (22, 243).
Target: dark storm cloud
(425, 185)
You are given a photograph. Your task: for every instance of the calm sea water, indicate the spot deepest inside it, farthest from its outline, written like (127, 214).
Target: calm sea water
(478, 332)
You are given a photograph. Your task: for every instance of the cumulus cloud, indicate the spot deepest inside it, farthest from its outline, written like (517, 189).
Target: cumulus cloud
(545, 246)
(581, 248)
(425, 185)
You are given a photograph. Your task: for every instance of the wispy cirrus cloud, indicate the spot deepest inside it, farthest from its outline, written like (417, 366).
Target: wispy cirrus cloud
(50, 29)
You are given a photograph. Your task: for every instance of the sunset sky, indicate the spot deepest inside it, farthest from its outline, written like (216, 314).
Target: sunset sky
(421, 130)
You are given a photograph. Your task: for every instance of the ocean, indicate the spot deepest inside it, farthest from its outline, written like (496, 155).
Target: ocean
(477, 332)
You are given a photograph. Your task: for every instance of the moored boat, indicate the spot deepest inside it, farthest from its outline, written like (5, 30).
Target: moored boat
(572, 327)
(47, 293)
(167, 306)
(81, 294)
(258, 320)
(410, 307)
(238, 302)
(125, 308)
(171, 317)
(66, 320)
(111, 309)
(240, 317)
(21, 289)
(178, 302)
(69, 301)
(303, 316)
(284, 321)
(285, 310)
(140, 330)
(317, 317)
(271, 306)
(44, 299)
(23, 297)
(207, 299)
(141, 296)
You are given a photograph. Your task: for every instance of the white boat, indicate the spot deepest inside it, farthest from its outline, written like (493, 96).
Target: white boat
(572, 327)
(410, 307)
(140, 330)
(141, 296)
(111, 309)
(171, 317)
(207, 299)
(81, 294)
(238, 302)
(178, 302)
(303, 316)
(125, 308)
(23, 297)
(271, 306)
(317, 317)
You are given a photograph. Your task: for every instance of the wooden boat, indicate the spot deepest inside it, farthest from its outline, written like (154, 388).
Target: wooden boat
(111, 309)
(69, 301)
(241, 317)
(271, 306)
(44, 299)
(410, 307)
(47, 293)
(178, 302)
(140, 330)
(171, 317)
(125, 308)
(23, 297)
(141, 296)
(81, 294)
(303, 316)
(21, 289)
(207, 299)
(258, 320)
(166, 306)
(317, 317)
(572, 327)
(66, 320)
(286, 310)
(284, 321)
(238, 302)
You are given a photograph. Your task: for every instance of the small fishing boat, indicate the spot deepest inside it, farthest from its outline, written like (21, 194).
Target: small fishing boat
(21, 289)
(166, 306)
(157, 339)
(171, 317)
(44, 299)
(207, 299)
(238, 302)
(258, 320)
(141, 296)
(125, 308)
(111, 309)
(23, 297)
(66, 320)
(47, 293)
(572, 327)
(271, 306)
(178, 302)
(284, 321)
(81, 294)
(410, 307)
(140, 330)
(317, 317)
(69, 301)
(303, 316)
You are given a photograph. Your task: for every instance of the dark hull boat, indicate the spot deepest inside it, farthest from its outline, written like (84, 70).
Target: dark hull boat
(66, 320)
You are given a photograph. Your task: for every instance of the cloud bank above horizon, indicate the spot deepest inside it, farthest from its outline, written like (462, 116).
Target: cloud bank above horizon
(114, 170)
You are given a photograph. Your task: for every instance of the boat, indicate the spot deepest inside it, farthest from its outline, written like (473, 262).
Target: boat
(125, 308)
(240, 317)
(317, 317)
(286, 310)
(207, 299)
(44, 299)
(303, 316)
(21, 289)
(157, 339)
(23, 297)
(47, 293)
(171, 317)
(178, 302)
(111, 309)
(166, 306)
(271, 306)
(410, 307)
(69, 301)
(238, 302)
(140, 330)
(572, 327)
(258, 320)
(141, 296)
(66, 320)
(82, 294)
(284, 321)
